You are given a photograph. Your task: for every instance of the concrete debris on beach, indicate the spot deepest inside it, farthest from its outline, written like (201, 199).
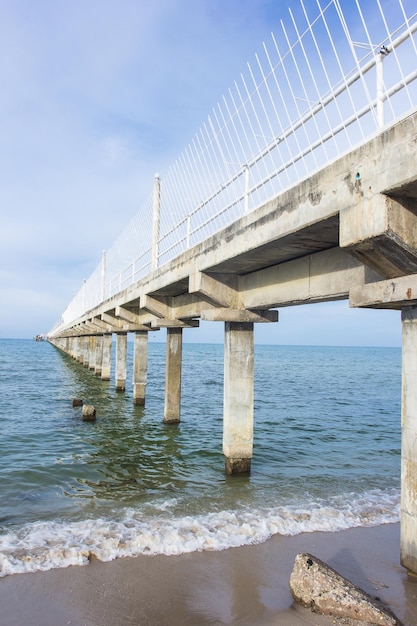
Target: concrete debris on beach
(89, 412)
(315, 585)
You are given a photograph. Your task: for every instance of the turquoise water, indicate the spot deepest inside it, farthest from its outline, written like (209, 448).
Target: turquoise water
(326, 453)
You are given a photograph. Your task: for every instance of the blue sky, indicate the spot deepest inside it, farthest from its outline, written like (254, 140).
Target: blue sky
(97, 96)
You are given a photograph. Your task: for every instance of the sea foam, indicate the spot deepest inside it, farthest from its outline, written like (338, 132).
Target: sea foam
(42, 546)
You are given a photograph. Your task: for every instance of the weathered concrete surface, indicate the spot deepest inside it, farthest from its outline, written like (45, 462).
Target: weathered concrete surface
(121, 357)
(140, 367)
(238, 396)
(317, 586)
(409, 440)
(172, 408)
(89, 413)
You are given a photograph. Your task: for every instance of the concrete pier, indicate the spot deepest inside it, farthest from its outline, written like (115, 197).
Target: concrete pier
(106, 362)
(346, 232)
(140, 367)
(121, 356)
(238, 396)
(409, 440)
(172, 407)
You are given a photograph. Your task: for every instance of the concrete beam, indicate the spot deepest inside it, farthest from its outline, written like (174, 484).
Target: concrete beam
(395, 293)
(381, 232)
(118, 325)
(315, 278)
(104, 326)
(240, 315)
(133, 318)
(157, 307)
(174, 323)
(218, 290)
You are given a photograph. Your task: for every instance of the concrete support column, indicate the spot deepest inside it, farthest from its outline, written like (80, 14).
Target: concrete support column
(140, 367)
(106, 362)
(91, 352)
(173, 375)
(121, 357)
(238, 396)
(409, 440)
(85, 351)
(78, 349)
(98, 355)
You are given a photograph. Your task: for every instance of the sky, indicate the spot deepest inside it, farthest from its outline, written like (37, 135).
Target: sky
(97, 96)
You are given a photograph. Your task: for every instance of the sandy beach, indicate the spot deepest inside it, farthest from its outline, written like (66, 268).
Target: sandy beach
(245, 586)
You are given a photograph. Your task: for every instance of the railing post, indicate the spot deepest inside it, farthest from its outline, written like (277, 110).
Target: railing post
(156, 221)
(380, 89)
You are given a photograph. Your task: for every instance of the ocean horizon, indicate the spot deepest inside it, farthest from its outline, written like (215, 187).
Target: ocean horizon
(326, 453)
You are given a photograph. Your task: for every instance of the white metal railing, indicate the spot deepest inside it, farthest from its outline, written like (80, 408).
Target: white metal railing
(337, 73)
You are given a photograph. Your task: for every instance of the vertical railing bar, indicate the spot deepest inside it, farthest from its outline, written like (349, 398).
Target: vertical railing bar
(393, 51)
(284, 100)
(233, 158)
(250, 100)
(355, 56)
(265, 110)
(300, 39)
(276, 140)
(291, 48)
(211, 159)
(237, 134)
(323, 65)
(344, 78)
(227, 125)
(407, 22)
(226, 191)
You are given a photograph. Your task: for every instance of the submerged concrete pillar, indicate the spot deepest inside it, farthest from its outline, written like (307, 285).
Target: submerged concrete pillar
(238, 396)
(98, 355)
(173, 375)
(121, 357)
(106, 362)
(140, 366)
(409, 440)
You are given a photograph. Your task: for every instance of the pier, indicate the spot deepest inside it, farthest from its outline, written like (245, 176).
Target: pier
(345, 229)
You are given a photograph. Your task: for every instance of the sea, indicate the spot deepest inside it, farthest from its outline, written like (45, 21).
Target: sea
(326, 453)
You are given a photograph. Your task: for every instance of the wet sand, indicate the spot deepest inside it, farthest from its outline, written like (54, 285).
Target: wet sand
(246, 586)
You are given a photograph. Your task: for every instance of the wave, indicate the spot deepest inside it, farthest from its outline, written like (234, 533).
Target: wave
(42, 546)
